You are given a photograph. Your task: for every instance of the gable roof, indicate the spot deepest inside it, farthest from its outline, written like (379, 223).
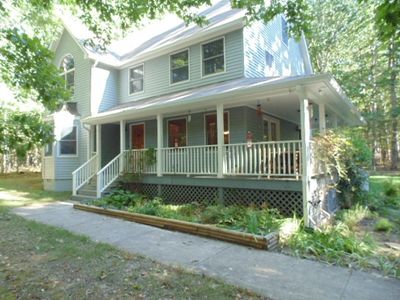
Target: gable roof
(150, 41)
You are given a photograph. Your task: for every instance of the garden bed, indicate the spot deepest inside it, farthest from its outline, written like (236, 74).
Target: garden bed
(269, 241)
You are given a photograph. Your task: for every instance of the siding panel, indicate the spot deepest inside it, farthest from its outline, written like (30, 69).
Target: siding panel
(157, 76)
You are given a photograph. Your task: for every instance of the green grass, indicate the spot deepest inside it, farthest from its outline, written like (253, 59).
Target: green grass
(43, 262)
(383, 225)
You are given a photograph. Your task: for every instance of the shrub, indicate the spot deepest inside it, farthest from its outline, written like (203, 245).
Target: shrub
(383, 225)
(211, 215)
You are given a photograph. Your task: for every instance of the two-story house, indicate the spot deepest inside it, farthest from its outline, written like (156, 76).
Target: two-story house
(228, 108)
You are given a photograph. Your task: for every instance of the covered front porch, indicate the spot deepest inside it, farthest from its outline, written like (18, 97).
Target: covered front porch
(261, 131)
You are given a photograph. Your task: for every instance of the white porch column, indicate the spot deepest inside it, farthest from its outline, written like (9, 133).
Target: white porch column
(306, 154)
(98, 145)
(122, 138)
(322, 119)
(220, 139)
(160, 137)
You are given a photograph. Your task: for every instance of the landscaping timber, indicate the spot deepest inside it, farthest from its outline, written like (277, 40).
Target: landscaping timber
(267, 242)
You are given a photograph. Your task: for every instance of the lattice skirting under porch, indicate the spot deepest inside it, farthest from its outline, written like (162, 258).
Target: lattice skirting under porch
(287, 202)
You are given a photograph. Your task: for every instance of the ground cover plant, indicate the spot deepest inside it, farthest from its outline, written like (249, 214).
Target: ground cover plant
(43, 262)
(365, 236)
(241, 218)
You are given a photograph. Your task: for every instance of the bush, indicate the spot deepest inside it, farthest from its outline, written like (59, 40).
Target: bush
(383, 225)
(351, 217)
(119, 199)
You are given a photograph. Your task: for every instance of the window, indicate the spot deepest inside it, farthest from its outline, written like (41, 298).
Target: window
(285, 37)
(179, 63)
(271, 129)
(136, 79)
(67, 69)
(269, 59)
(68, 141)
(213, 57)
(211, 129)
(177, 133)
(48, 149)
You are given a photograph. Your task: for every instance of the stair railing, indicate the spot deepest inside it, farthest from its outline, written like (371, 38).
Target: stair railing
(84, 173)
(109, 173)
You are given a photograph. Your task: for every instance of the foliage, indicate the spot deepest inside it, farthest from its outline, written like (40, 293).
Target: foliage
(383, 225)
(248, 219)
(22, 131)
(352, 217)
(344, 154)
(334, 244)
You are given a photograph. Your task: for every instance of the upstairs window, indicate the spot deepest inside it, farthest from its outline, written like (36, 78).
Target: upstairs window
(68, 141)
(269, 59)
(213, 57)
(67, 69)
(285, 36)
(136, 79)
(179, 63)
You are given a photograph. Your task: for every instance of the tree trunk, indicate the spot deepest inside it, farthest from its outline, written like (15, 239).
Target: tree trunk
(394, 105)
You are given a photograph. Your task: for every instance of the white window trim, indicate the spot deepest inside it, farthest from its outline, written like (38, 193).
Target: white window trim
(130, 134)
(77, 146)
(129, 80)
(283, 19)
(69, 71)
(187, 130)
(278, 126)
(201, 55)
(205, 126)
(169, 65)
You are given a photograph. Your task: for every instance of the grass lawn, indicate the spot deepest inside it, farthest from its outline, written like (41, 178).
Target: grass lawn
(43, 262)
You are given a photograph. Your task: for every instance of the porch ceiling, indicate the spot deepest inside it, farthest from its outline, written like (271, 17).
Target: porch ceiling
(277, 96)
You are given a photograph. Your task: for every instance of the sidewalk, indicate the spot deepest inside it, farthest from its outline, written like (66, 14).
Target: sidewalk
(271, 274)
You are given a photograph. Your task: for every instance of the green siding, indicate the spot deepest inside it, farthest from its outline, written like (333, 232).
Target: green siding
(157, 73)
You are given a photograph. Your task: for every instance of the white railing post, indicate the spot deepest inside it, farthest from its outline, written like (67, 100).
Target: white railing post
(159, 144)
(73, 184)
(220, 139)
(305, 142)
(99, 185)
(122, 145)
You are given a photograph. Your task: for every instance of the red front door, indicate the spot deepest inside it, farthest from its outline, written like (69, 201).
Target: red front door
(137, 136)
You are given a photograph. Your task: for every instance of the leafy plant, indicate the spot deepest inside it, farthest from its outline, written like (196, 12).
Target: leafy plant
(383, 225)
(351, 217)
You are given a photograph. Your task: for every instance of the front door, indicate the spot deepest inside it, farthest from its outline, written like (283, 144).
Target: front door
(137, 136)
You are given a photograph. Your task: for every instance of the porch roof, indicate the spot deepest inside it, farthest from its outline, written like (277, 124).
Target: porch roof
(318, 88)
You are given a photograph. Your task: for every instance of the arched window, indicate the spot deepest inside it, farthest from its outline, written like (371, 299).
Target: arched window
(67, 68)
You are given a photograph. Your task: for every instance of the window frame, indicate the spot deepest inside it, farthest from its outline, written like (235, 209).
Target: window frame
(186, 133)
(64, 73)
(278, 127)
(59, 154)
(51, 146)
(205, 127)
(202, 57)
(170, 69)
(129, 79)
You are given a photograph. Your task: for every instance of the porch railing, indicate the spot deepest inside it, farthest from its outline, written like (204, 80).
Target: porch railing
(84, 173)
(191, 160)
(270, 159)
(138, 161)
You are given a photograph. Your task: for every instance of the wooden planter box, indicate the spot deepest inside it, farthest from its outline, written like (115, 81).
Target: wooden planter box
(268, 242)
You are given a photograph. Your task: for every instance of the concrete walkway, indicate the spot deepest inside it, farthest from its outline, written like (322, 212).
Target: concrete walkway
(271, 274)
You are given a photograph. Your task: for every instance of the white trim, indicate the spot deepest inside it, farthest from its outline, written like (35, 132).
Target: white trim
(129, 80)
(201, 57)
(187, 129)
(130, 133)
(169, 67)
(64, 73)
(205, 125)
(52, 150)
(77, 146)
